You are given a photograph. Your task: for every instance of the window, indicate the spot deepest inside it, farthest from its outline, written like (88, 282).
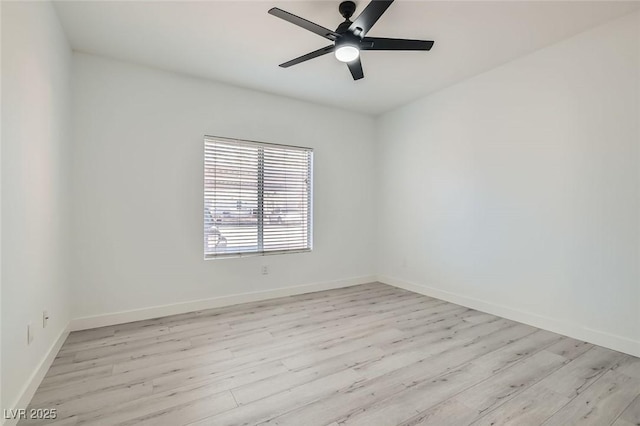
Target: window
(257, 198)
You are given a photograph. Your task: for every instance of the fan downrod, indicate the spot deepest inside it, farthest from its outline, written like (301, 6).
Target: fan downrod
(347, 9)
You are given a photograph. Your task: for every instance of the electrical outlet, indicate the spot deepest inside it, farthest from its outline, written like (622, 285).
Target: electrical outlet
(264, 270)
(45, 319)
(30, 331)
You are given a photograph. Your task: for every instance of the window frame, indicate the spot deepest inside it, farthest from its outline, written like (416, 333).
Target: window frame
(260, 202)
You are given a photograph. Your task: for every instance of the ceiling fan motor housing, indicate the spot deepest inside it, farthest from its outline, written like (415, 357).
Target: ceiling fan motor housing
(348, 39)
(347, 9)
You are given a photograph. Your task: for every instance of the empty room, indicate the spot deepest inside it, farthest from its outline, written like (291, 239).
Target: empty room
(292, 212)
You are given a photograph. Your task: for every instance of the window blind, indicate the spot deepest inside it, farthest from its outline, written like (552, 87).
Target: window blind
(257, 198)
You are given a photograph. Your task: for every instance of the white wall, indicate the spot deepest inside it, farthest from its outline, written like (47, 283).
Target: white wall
(138, 187)
(36, 62)
(517, 191)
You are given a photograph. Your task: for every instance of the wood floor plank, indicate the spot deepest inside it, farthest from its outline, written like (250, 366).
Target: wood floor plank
(383, 380)
(502, 386)
(507, 356)
(448, 413)
(632, 413)
(622, 422)
(434, 352)
(483, 391)
(89, 403)
(75, 375)
(283, 402)
(369, 354)
(331, 350)
(137, 363)
(172, 409)
(196, 410)
(531, 407)
(601, 403)
(385, 400)
(159, 403)
(447, 354)
(517, 350)
(132, 343)
(546, 397)
(346, 317)
(225, 380)
(570, 348)
(579, 374)
(629, 366)
(296, 377)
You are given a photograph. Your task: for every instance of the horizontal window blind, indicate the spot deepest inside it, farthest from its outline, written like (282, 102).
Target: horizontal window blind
(257, 198)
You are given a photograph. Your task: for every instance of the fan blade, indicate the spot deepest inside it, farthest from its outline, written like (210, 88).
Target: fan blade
(369, 16)
(356, 69)
(376, 43)
(308, 56)
(301, 22)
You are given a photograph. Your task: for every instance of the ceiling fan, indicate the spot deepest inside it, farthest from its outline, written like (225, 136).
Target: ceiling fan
(350, 37)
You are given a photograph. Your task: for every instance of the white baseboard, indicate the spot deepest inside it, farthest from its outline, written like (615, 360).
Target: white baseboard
(216, 302)
(576, 331)
(34, 381)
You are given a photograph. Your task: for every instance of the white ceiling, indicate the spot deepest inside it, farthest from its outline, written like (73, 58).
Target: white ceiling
(237, 42)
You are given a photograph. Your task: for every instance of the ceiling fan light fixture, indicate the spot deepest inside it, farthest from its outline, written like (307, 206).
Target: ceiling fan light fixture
(351, 36)
(347, 53)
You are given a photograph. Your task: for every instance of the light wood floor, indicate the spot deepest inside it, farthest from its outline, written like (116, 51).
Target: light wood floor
(365, 355)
